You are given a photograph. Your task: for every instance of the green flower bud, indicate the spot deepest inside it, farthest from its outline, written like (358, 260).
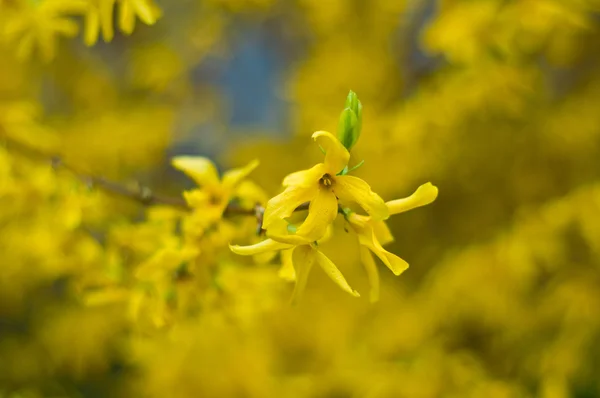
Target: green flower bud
(350, 123)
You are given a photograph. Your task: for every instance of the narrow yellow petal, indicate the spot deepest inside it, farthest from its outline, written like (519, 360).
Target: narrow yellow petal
(200, 169)
(336, 155)
(382, 232)
(126, 18)
(258, 248)
(106, 11)
(334, 273)
(92, 28)
(287, 271)
(284, 204)
(305, 177)
(144, 11)
(424, 195)
(354, 189)
(394, 263)
(372, 273)
(233, 177)
(303, 260)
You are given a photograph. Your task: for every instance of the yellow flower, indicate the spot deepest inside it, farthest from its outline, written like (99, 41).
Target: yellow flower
(373, 234)
(39, 24)
(303, 257)
(322, 186)
(214, 193)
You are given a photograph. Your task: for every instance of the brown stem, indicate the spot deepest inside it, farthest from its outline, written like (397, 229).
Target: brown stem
(141, 194)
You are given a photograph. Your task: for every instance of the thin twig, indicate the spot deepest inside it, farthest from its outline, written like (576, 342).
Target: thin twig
(141, 194)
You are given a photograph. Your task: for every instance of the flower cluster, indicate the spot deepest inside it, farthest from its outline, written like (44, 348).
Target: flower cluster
(328, 189)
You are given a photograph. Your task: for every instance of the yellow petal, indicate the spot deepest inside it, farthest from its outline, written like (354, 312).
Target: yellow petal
(303, 260)
(353, 189)
(144, 11)
(92, 28)
(331, 270)
(258, 248)
(126, 18)
(424, 195)
(321, 213)
(305, 177)
(287, 271)
(106, 11)
(394, 263)
(233, 177)
(336, 155)
(200, 169)
(366, 259)
(382, 232)
(283, 205)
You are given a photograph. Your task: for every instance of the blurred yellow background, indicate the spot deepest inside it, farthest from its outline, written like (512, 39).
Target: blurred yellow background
(497, 102)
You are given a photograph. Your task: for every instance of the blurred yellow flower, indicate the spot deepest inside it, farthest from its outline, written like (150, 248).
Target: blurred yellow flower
(39, 24)
(322, 186)
(214, 193)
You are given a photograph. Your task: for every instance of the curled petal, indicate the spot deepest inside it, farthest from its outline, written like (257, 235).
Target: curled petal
(394, 263)
(336, 155)
(287, 271)
(354, 189)
(303, 260)
(382, 232)
(258, 248)
(283, 205)
(305, 178)
(424, 195)
(200, 169)
(334, 273)
(368, 262)
(321, 213)
(233, 177)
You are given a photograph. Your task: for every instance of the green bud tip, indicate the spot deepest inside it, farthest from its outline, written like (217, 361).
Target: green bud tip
(350, 123)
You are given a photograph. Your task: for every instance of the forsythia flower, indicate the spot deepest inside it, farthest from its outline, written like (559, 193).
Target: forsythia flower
(322, 186)
(210, 201)
(373, 234)
(215, 193)
(39, 24)
(303, 256)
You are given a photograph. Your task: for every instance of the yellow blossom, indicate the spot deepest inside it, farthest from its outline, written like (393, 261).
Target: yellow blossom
(372, 234)
(303, 257)
(322, 186)
(39, 24)
(214, 193)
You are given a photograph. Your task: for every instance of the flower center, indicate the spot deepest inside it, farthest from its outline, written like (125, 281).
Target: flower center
(326, 180)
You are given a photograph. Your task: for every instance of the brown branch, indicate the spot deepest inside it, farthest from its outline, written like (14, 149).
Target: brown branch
(141, 194)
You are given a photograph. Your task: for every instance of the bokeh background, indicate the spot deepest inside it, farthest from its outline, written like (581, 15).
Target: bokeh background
(494, 101)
